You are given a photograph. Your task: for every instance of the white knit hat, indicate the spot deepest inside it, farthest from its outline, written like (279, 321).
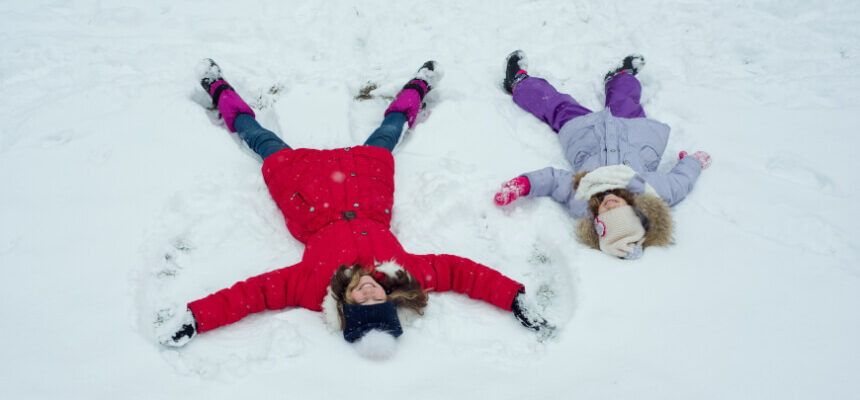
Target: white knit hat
(612, 177)
(620, 232)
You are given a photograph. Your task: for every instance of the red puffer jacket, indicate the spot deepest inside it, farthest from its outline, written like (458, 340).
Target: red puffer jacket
(338, 202)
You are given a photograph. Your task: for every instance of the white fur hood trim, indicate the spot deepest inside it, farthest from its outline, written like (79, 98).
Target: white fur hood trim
(329, 304)
(608, 178)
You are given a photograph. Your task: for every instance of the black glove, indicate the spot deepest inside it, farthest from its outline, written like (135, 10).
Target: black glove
(179, 330)
(529, 318)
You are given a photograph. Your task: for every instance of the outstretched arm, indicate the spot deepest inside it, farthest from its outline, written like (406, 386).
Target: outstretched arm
(553, 182)
(272, 290)
(677, 183)
(443, 272)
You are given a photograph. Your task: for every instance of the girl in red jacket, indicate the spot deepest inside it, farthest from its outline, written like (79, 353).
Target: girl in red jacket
(339, 203)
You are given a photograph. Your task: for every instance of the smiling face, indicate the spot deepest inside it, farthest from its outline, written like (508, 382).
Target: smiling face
(610, 202)
(367, 292)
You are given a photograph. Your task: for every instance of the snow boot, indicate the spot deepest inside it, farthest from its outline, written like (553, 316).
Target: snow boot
(630, 65)
(223, 96)
(179, 330)
(410, 99)
(209, 72)
(515, 70)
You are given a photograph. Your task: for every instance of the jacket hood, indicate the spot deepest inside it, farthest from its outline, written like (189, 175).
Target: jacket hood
(330, 306)
(659, 217)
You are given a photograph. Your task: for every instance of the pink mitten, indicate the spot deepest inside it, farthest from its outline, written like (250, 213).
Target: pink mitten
(703, 158)
(512, 190)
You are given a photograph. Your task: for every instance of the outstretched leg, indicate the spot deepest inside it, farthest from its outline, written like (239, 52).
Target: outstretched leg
(405, 107)
(388, 133)
(236, 113)
(263, 141)
(537, 96)
(623, 90)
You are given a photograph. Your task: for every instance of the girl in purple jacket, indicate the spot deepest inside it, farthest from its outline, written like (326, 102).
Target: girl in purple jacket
(614, 190)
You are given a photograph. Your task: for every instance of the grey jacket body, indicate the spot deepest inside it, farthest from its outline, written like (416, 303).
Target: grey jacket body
(600, 139)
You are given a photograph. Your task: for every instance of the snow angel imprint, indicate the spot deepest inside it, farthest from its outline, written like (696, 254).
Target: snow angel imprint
(620, 200)
(339, 203)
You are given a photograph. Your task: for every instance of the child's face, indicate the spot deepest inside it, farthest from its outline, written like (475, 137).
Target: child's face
(368, 292)
(609, 202)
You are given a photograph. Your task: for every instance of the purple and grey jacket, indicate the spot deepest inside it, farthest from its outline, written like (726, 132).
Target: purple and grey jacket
(600, 139)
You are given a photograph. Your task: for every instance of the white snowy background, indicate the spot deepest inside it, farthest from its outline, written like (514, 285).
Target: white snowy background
(122, 199)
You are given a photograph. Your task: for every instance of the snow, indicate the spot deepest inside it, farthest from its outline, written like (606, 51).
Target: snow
(122, 199)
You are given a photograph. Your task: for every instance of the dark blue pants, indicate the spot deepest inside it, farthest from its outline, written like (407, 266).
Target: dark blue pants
(265, 143)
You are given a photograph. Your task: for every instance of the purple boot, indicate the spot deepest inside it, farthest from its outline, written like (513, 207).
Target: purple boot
(223, 96)
(410, 98)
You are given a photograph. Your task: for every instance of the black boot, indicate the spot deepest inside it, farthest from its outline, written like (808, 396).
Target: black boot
(631, 64)
(430, 73)
(515, 70)
(209, 72)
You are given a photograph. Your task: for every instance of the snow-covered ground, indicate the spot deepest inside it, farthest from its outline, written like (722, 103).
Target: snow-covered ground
(121, 198)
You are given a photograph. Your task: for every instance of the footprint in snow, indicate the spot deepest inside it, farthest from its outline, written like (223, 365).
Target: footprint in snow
(171, 258)
(795, 169)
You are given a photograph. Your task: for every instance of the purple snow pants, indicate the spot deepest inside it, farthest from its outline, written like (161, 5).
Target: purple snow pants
(538, 97)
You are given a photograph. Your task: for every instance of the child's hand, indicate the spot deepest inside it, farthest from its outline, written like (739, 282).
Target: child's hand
(703, 158)
(512, 190)
(177, 331)
(525, 312)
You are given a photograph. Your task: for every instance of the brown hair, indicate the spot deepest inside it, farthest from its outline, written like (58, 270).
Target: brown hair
(594, 201)
(402, 289)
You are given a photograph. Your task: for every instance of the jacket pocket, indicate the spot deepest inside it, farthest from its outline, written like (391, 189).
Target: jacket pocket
(580, 159)
(583, 146)
(650, 157)
(298, 208)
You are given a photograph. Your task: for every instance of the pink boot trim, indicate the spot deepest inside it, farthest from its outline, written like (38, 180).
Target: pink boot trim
(408, 101)
(230, 105)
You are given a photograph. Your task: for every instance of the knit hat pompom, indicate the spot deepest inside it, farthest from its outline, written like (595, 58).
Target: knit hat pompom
(376, 345)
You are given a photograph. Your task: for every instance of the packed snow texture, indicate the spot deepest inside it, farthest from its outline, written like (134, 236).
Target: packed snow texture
(123, 197)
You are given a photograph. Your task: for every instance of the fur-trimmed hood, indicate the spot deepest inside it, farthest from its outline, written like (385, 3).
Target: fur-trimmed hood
(330, 306)
(659, 229)
(647, 202)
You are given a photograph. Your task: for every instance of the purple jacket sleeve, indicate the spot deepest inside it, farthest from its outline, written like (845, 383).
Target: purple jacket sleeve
(558, 184)
(677, 183)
